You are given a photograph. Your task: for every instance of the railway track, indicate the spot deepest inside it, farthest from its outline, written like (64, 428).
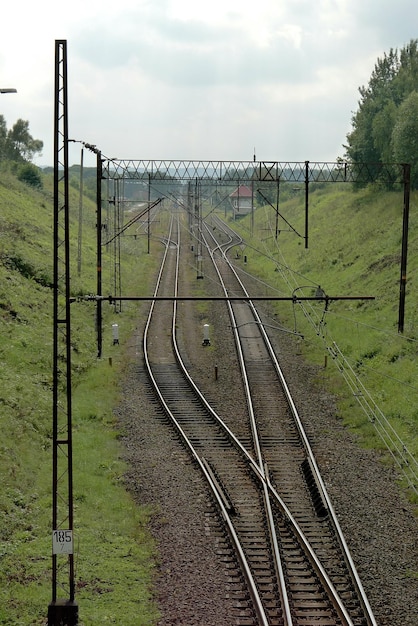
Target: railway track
(279, 536)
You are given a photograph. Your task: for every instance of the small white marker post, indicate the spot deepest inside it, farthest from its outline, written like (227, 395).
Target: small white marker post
(115, 334)
(206, 340)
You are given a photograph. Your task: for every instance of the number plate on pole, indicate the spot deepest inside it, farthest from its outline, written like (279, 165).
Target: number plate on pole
(62, 542)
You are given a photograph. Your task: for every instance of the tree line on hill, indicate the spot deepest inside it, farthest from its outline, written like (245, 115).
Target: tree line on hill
(19, 147)
(385, 126)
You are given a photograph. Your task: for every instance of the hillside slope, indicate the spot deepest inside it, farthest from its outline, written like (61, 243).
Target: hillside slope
(103, 531)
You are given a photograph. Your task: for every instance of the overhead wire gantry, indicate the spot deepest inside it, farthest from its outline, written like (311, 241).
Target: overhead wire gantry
(258, 172)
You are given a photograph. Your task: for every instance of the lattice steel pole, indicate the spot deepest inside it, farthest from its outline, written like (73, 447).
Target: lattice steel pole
(80, 215)
(148, 219)
(62, 611)
(99, 226)
(118, 226)
(404, 254)
(306, 203)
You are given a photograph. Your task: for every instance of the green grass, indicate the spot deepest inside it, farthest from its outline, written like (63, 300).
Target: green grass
(115, 554)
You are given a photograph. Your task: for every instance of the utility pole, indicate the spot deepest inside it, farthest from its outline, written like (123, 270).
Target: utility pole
(306, 202)
(277, 208)
(99, 226)
(404, 253)
(99, 316)
(80, 215)
(148, 215)
(62, 611)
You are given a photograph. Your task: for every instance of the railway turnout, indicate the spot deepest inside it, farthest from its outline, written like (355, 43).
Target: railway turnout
(287, 551)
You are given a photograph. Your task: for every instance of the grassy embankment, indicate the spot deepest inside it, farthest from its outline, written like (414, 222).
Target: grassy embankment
(354, 250)
(114, 552)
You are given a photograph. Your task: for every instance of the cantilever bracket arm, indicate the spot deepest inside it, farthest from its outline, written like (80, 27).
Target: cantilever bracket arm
(295, 299)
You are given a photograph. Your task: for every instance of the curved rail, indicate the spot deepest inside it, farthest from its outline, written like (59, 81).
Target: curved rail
(233, 240)
(258, 466)
(263, 469)
(261, 615)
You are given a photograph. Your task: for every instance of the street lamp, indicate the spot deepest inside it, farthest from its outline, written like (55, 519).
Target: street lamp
(8, 90)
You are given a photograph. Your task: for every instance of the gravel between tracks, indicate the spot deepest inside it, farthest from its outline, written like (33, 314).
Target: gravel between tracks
(191, 585)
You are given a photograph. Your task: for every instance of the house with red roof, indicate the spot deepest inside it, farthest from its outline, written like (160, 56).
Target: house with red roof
(241, 200)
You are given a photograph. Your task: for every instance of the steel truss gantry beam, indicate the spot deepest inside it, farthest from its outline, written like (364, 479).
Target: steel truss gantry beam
(62, 610)
(256, 171)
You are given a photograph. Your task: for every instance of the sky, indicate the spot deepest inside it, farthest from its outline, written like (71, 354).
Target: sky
(197, 80)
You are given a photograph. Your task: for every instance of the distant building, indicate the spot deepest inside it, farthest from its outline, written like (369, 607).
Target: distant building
(241, 200)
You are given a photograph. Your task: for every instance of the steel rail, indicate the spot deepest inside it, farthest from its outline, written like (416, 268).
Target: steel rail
(350, 563)
(263, 472)
(263, 478)
(246, 570)
(258, 472)
(287, 615)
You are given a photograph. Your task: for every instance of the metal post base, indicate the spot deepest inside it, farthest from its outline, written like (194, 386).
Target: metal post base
(63, 613)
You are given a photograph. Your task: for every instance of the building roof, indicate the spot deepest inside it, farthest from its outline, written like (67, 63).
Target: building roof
(242, 191)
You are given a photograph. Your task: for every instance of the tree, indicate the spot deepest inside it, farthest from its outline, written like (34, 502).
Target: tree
(382, 128)
(19, 144)
(3, 136)
(377, 96)
(405, 135)
(385, 127)
(407, 78)
(28, 173)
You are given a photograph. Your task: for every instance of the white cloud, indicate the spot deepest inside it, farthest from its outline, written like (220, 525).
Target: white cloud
(186, 79)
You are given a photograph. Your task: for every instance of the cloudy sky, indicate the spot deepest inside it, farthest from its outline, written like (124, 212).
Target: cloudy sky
(193, 79)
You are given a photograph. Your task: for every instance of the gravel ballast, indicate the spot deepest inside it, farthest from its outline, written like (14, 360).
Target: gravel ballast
(191, 585)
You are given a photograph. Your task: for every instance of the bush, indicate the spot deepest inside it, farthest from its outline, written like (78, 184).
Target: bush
(30, 174)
